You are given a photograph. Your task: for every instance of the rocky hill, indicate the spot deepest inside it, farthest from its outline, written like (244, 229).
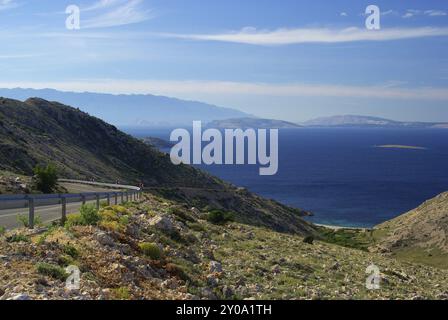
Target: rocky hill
(162, 249)
(84, 147)
(419, 235)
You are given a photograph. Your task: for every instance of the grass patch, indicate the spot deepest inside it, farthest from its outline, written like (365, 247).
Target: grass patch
(17, 238)
(121, 293)
(220, 217)
(351, 238)
(432, 257)
(151, 250)
(51, 270)
(25, 221)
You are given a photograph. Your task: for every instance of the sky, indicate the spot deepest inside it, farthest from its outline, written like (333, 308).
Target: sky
(290, 59)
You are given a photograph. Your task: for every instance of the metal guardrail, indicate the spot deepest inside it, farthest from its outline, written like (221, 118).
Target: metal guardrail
(132, 193)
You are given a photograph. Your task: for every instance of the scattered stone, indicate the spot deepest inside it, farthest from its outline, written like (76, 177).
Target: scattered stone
(215, 267)
(227, 292)
(276, 269)
(20, 297)
(162, 223)
(105, 239)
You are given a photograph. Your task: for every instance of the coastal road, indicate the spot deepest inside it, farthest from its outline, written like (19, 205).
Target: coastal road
(47, 210)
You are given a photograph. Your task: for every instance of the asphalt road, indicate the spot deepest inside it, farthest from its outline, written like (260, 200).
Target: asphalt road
(46, 211)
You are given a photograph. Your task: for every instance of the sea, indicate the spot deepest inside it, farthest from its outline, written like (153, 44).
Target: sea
(342, 176)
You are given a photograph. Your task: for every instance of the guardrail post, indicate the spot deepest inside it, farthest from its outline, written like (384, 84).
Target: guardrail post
(108, 199)
(97, 202)
(116, 198)
(122, 197)
(83, 199)
(127, 196)
(64, 210)
(31, 213)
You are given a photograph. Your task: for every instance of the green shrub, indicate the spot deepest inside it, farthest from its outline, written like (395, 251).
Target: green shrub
(89, 214)
(182, 215)
(25, 221)
(18, 238)
(52, 270)
(46, 178)
(220, 217)
(74, 220)
(121, 293)
(177, 271)
(151, 250)
(71, 251)
(309, 240)
(2, 230)
(197, 227)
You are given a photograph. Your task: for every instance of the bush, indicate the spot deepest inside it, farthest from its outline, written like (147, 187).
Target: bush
(177, 271)
(52, 270)
(151, 250)
(46, 178)
(197, 227)
(89, 215)
(309, 240)
(2, 230)
(220, 217)
(121, 293)
(74, 220)
(71, 251)
(18, 238)
(25, 221)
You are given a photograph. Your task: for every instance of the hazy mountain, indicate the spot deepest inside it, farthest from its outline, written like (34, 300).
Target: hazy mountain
(366, 121)
(255, 123)
(131, 110)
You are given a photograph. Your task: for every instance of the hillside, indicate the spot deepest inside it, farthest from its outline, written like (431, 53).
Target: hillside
(162, 249)
(83, 147)
(419, 235)
(255, 123)
(131, 110)
(366, 121)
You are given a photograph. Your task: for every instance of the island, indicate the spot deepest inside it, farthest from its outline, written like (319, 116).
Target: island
(399, 146)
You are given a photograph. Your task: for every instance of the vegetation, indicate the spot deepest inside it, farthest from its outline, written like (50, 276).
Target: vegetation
(121, 293)
(351, 238)
(25, 221)
(17, 238)
(220, 217)
(52, 270)
(151, 250)
(46, 178)
(2, 230)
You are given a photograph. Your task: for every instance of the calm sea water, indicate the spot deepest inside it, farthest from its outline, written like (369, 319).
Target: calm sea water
(342, 178)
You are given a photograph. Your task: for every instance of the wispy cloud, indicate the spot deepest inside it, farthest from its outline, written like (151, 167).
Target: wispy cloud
(386, 91)
(119, 13)
(410, 13)
(296, 36)
(8, 4)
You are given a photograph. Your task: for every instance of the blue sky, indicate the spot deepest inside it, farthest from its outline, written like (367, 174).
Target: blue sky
(291, 60)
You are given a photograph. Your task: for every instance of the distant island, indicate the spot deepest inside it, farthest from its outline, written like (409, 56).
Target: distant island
(399, 146)
(356, 121)
(257, 123)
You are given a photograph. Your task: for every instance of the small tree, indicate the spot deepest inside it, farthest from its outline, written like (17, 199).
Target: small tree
(46, 178)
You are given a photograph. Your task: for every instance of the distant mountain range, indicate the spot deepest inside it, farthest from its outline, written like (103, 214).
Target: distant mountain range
(366, 121)
(132, 110)
(244, 123)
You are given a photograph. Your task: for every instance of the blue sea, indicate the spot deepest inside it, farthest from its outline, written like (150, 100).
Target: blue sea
(341, 177)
